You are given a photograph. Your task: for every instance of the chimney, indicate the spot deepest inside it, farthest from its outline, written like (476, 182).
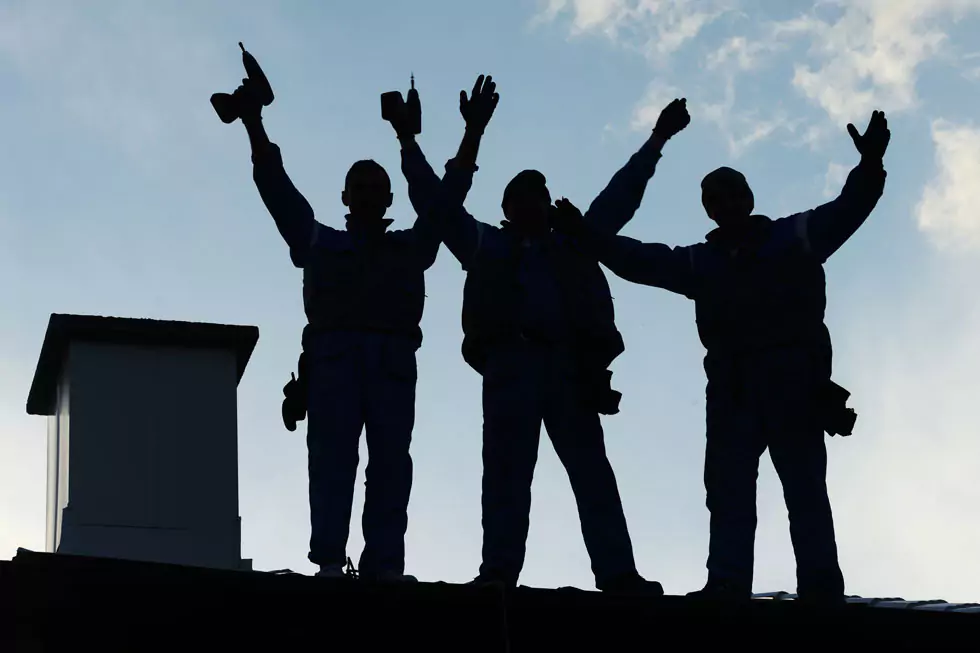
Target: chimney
(143, 438)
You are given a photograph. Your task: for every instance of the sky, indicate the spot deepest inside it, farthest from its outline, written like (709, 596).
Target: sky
(121, 193)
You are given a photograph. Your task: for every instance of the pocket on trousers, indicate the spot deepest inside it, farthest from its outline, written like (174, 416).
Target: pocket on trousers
(504, 365)
(399, 363)
(331, 364)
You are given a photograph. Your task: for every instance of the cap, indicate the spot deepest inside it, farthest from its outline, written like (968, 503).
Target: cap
(524, 182)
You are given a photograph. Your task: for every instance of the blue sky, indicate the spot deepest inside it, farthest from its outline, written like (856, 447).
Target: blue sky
(122, 194)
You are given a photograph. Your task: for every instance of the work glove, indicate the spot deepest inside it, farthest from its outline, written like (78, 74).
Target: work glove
(567, 219)
(249, 104)
(406, 118)
(672, 119)
(873, 143)
(478, 108)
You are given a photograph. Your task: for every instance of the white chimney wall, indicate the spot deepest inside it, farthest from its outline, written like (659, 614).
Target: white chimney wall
(143, 438)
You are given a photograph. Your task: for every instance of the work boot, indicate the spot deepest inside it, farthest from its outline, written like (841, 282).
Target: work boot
(721, 590)
(331, 571)
(494, 578)
(630, 583)
(386, 577)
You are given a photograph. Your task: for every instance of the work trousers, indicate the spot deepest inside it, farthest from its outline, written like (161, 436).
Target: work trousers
(524, 385)
(360, 381)
(769, 402)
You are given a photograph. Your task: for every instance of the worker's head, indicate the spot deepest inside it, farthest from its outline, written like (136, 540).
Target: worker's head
(367, 190)
(726, 196)
(527, 202)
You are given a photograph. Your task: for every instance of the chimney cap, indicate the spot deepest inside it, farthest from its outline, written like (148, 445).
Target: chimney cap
(64, 329)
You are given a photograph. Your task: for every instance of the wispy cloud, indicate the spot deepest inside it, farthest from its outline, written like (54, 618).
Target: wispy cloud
(834, 179)
(869, 55)
(657, 28)
(740, 53)
(947, 211)
(860, 56)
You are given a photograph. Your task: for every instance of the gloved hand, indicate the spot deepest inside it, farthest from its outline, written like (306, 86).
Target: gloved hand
(405, 116)
(672, 119)
(401, 121)
(478, 108)
(249, 101)
(566, 218)
(873, 143)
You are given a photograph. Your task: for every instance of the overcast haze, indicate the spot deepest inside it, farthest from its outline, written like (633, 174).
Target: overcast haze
(121, 193)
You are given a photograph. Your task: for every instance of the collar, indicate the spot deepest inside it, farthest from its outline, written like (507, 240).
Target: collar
(749, 231)
(360, 227)
(522, 236)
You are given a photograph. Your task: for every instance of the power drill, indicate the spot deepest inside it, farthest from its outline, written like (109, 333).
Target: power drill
(227, 106)
(392, 106)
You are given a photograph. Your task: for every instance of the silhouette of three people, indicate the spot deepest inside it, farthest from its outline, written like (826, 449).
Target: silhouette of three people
(539, 327)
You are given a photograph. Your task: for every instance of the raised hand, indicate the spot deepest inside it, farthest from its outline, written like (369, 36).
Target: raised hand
(478, 108)
(249, 99)
(873, 143)
(565, 217)
(672, 119)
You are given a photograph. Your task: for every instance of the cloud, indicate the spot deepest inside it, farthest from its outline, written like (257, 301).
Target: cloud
(834, 180)
(845, 58)
(658, 95)
(868, 56)
(743, 128)
(740, 53)
(656, 28)
(947, 211)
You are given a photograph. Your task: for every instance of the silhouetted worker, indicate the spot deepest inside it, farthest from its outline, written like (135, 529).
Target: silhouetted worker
(363, 291)
(539, 326)
(759, 292)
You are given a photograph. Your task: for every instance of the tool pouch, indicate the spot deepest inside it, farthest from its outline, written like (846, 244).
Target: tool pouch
(295, 391)
(835, 417)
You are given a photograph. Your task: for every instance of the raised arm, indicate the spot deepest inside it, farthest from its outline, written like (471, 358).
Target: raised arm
(287, 206)
(423, 188)
(619, 200)
(826, 228)
(457, 228)
(290, 210)
(648, 264)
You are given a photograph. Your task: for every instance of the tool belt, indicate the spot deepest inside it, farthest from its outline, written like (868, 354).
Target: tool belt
(596, 378)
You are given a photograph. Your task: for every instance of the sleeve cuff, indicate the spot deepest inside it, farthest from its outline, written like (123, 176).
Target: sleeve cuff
(652, 150)
(454, 164)
(267, 156)
(409, 146)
